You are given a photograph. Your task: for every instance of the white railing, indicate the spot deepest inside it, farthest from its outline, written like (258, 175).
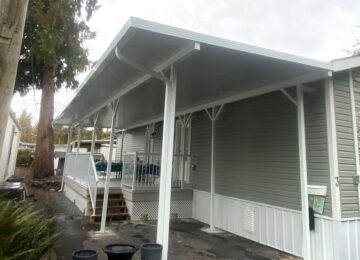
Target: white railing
(142, 171)
(80, 167)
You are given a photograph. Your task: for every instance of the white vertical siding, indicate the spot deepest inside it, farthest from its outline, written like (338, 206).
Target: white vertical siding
(334, 240)
(282, 228)
(9, 150)
(273, 226)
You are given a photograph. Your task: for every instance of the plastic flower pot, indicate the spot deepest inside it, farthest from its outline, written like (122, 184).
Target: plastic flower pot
(119, 251)
(151, 251)
(85, 254)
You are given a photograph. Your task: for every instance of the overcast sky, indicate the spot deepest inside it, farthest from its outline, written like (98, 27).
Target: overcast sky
(315, 29)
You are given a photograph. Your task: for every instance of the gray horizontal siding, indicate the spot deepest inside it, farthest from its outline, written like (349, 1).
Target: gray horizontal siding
(157, 139)
(257, 154)
(134, 141)
(356, 81)
(200, 151)
(345, 142)
(316, 141)
(257, 151)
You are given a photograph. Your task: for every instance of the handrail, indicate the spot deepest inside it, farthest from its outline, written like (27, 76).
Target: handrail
(94, 168)
(80, 167)
(92, 185)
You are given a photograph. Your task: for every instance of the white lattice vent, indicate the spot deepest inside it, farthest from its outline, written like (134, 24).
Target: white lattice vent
(249, 219)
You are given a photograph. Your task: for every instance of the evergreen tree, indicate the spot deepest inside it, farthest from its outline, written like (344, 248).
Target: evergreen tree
(52, 54)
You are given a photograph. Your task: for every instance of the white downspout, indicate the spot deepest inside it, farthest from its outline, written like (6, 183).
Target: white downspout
(303, 174)
(114, 106)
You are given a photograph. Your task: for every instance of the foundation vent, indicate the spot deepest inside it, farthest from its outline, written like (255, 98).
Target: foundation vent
(249, 219)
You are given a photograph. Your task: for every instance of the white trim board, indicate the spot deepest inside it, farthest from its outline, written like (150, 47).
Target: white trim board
(332, 148)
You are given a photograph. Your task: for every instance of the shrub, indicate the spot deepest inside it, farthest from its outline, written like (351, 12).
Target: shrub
(24, 157)
(26, 233)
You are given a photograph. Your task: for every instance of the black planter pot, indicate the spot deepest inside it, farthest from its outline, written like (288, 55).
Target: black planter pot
(151, 252)
(85, 254)
(119, 251)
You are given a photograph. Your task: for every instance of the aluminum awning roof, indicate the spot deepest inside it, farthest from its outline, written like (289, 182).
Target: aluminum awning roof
(220, 71)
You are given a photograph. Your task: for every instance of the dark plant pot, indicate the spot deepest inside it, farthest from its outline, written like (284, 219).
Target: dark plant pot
(85, 254)
(119, 251)
(151, 251)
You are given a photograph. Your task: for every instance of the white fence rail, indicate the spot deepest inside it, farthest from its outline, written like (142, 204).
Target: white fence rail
(142, 171)
(81, 168)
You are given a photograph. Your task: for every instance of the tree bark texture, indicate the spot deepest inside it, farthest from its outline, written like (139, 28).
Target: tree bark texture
(44, 153)
(12, 21)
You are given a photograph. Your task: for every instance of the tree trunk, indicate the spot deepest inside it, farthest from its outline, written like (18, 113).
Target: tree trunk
(12, 21)
(44, 153)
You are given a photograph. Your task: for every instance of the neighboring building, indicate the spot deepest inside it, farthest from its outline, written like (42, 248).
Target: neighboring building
(286, 138)
(10, 147)
(101, 147)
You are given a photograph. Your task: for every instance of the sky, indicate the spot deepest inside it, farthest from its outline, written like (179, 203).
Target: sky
(316, 29)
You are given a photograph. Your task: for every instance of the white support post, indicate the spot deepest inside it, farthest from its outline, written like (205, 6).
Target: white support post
(68, 150)
(303, 174)
(93, 137)
(213, 116)
(166, 163)
(68, 144)
(79, 138)
(113, 106)
(122, 145)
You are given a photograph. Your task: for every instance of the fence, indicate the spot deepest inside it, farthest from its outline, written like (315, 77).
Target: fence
(141, 171)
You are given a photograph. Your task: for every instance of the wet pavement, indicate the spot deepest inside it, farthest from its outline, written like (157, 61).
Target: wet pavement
(187, 241)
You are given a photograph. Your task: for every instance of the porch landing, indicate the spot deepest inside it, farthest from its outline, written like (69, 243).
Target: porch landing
(113, 184)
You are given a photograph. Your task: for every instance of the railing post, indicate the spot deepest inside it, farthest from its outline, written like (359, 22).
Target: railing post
(93, 136)
(79, 138)
(88, 171)
(114, 106)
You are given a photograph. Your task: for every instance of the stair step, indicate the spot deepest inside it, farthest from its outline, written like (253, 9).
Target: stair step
(116, 207)
(111, 201)
(111, 195)
(110, 216)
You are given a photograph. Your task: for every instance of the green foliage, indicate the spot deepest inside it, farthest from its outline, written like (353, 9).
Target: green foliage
(60, 135)
(26, 233)
(86, 134)
(24, 157)
(54, 35)
(27, 129)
